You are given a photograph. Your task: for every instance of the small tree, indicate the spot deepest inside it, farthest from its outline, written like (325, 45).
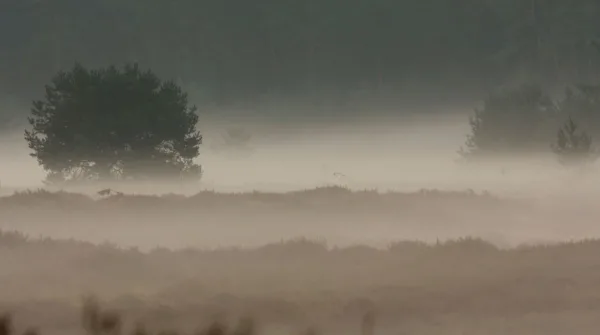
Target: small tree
(574, 147)
(511, 121)
(113, 124)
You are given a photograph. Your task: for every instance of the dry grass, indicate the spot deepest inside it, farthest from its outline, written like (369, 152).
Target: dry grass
(303, 285)
(445, 272)
(335, 213)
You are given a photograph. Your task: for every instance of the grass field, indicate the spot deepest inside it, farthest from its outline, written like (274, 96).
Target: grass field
(465, 285)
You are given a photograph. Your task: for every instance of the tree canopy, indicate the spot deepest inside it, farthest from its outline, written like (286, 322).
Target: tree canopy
(525, 120)
(112, 123)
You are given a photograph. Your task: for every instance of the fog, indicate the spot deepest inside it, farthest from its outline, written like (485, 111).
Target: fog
(396, 153)
(401, 154)
(333, 198)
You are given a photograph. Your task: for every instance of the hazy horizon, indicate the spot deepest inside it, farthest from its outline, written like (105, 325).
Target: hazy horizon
(403, 152)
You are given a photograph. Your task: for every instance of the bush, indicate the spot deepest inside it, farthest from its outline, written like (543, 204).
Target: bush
(517, 120)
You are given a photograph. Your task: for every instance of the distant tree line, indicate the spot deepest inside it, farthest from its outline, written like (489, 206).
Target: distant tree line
(239, 49)
(524, 120)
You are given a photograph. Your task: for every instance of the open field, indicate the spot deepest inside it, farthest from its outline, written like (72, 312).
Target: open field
(341, 255)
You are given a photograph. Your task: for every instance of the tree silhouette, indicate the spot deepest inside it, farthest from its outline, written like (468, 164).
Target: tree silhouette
(574, 147)
(113, 124)
(511, 121)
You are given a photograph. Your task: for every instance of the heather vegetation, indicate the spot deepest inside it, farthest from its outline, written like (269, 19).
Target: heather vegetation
(410, 286)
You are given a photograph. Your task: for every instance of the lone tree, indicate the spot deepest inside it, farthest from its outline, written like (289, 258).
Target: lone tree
(574, 147)
(114, 124)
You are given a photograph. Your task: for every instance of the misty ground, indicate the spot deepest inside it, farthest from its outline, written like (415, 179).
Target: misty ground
(223, 252)
(404, 153)
(242, 259)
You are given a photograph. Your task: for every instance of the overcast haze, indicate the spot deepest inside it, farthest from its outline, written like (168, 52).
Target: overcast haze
(405, 153)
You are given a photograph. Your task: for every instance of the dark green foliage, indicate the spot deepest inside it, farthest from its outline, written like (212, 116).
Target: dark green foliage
(574, 147)
(524, 121)
(240, 48)
(511, 121)
(112, 123)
